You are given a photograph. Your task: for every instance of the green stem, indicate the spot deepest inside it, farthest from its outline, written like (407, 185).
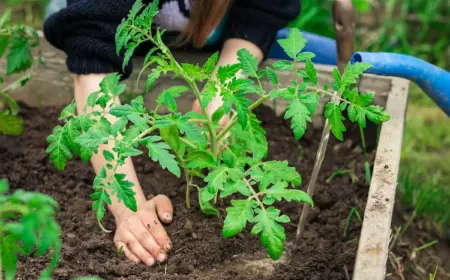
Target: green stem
(188, 143)
(255, 195)
(234, 119)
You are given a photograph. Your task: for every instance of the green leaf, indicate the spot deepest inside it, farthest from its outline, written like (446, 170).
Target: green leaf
(192, 131)
(93, 139)
(4, 186)
(334, 115)
(217, 178)
(68, 111)
(275, 171)
(232, 187)
(4, 40)
(237, 217)
(208, 94)
(242, 103)
(194, 71)
(299, 115)
(279, 191)
(59, 152)
(110, 85)
(305, 56)
(71, 131)
(293, 44)
(108, 155)
(311, 72)
(151, 78)
(123, 110)
(19, 57)
(283, 93)
(124, 191)
(249, 63)
(167, 97)
(158, 152)
(119, 125)
(272, 234)
(200, 160)
(11, 125)
(352, 72)
(210, 64)
(283, 66)
(228, 71)
(252, 137)
(272, 76)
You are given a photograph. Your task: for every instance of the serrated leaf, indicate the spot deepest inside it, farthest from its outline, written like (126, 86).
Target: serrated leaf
(276, 171)
(283, 65)
(208, 94)
(158, 152)
(58, 150)
(110, 85)
(272, 76)
(92, 139)
(19, 57)
(217, 178)
(192, 131)
(227, 72)
(283, 93)
(151, 78)
(167, 97)
(123, 189)
(334, 115)
(279, 191)
(108, 155)
(299, 115)
(293, 44)
(242, 103)
(200, 160)
(237, 217)
(305, 56)
(352, 72)
(232, 187)
(311, 72)
(272, 235)
(210, 64)
(119, 125)
(249, 63)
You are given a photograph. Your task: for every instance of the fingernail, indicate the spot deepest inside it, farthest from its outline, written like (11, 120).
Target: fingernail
(167, 217)
(161, 257)
(168, 246)
(150, 261)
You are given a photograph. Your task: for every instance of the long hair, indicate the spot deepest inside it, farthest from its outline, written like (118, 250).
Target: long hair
(205, 16)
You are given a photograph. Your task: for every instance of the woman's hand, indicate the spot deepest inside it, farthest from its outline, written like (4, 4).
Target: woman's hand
(141, 236)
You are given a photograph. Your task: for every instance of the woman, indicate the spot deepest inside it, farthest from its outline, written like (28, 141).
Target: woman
(84, 30)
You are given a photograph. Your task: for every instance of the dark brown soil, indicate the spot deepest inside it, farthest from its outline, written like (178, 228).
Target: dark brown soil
(198, 246)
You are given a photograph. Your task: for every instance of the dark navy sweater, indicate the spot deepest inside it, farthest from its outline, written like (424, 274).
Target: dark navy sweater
(85, 29)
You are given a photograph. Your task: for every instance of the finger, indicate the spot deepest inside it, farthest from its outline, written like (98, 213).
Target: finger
(164, 208)
(123, 248)
(137, 249)
(147, 241)
(156, 230)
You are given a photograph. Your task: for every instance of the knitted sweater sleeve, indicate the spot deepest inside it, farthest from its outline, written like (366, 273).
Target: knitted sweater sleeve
(85, 30)
(259, 20)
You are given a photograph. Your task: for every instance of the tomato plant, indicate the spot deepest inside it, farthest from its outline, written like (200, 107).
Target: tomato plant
(232, 157)
(16, 43)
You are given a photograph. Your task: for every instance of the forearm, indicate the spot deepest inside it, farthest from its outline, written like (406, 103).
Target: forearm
(84, 85)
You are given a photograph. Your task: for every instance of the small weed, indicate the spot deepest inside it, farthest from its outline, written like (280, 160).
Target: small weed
(353, 212)
(343, 172)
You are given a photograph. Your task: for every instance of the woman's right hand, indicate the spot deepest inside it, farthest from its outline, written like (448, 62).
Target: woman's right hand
(141, 236)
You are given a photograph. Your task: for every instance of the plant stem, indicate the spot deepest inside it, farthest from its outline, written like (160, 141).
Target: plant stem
(366, 164)
(188, 189)
(188, 143)
(234, 119)
(255, 195)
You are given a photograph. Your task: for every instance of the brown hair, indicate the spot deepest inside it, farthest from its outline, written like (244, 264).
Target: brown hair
(205, 16)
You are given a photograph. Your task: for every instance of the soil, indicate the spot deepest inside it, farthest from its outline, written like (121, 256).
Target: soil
(199, 250)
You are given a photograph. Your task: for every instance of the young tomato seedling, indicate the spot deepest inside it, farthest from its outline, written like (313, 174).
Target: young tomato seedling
(27, 227)
(17, 41)
(232, 157)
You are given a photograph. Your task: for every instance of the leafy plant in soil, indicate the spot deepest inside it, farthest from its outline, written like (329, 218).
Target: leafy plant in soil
(27, 227)
(16, 43)
(230, 160)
